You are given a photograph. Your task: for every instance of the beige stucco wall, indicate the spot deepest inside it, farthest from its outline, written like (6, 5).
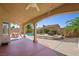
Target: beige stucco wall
(3, 13)
(3, 17)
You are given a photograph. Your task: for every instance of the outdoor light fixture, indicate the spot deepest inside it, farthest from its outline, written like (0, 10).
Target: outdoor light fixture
(33, 5)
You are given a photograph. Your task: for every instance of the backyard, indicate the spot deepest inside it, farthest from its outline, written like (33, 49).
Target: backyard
(67, 42)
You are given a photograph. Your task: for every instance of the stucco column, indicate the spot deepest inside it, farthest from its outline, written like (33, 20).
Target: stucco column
(35, 37)
(23, 30)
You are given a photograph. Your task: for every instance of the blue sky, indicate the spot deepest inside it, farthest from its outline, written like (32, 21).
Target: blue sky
(58, 19)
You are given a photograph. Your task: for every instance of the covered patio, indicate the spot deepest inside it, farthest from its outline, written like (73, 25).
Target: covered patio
(19, 14)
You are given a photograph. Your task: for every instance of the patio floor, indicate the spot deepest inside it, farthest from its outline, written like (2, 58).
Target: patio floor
(26, 47)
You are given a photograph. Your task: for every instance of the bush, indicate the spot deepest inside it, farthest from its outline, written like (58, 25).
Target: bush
(46, 31)
(52, 32)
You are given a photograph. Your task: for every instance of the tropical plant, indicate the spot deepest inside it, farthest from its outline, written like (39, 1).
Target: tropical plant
(73, 26)
(29, 28)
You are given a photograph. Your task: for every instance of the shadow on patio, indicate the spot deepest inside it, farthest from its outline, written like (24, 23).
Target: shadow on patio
(26, 47)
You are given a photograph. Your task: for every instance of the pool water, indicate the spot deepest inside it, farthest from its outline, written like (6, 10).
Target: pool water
(29, 34)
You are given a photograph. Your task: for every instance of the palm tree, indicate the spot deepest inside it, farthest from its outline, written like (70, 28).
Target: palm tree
(73, 26)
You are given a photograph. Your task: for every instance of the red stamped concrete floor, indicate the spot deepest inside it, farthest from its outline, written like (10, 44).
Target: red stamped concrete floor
(26, 47)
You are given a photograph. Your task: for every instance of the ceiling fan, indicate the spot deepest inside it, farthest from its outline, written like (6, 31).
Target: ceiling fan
(33, 5)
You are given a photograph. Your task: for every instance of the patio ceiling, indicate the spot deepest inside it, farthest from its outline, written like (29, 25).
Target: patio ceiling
(62, 9)
(18, 14)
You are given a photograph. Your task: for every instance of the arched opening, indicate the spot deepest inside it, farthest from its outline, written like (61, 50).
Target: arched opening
(52, 29)
(15, 31)
(29, 29)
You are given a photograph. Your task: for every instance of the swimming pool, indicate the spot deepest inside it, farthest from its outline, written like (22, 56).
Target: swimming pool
(29, 34)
